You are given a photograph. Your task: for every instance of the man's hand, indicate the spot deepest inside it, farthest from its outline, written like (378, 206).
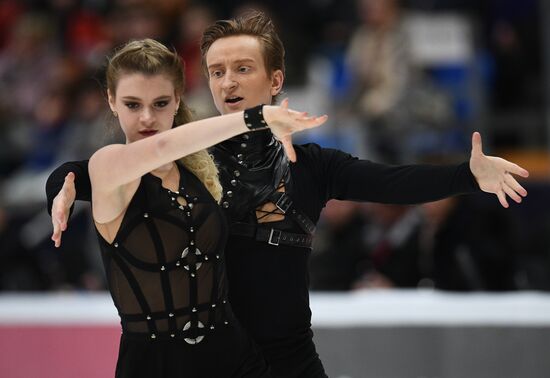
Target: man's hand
(61, 207)
(494, 174)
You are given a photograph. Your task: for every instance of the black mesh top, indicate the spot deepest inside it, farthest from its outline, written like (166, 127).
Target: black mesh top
(165, 268)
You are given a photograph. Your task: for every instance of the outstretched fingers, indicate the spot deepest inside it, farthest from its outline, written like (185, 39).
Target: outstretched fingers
(511, 193)
(289, 148)
(502, 198)
(516, 169)
(477, 145)
(312, 122)
(60, 208)
(284, 103)
(510, 181)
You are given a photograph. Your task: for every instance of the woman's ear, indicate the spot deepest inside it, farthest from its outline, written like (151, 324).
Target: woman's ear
(111, 99)
(178, 99)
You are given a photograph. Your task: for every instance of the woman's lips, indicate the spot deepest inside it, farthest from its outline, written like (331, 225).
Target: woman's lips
(148, 132)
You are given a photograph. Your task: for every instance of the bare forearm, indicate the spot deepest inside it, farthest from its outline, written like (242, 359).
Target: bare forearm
(116, 165)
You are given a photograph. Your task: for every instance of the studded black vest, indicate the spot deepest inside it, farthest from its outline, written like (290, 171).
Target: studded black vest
(165, 267)
(251, 167)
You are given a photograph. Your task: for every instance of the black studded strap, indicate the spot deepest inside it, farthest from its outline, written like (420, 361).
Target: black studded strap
(254, 118)
(285, 204)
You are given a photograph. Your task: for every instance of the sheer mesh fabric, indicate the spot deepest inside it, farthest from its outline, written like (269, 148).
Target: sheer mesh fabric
(165, 266)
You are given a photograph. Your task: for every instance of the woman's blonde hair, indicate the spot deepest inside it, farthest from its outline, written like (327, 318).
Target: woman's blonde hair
(150, 57)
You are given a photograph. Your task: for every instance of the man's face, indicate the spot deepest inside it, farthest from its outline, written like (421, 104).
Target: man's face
(237, 75)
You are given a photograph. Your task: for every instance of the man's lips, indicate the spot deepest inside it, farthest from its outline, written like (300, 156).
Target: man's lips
(233, 100)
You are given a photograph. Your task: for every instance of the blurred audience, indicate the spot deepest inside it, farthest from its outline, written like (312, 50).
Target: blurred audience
(458, 244)
(53, 109)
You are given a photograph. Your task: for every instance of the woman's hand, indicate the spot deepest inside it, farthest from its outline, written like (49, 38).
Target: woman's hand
(61, 208)
(283, 122)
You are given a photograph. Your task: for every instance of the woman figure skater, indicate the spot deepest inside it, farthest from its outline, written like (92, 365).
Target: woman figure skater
(160, 229)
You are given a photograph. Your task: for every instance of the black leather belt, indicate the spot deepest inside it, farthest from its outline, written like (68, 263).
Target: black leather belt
(271, 235)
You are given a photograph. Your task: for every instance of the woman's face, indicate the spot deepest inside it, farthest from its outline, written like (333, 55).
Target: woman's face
(145, 104)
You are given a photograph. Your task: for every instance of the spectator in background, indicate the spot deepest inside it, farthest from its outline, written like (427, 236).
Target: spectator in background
(367, 246)
(379, 61)
(389, 93)
(193, 21)
(339, 248)
(469, 253)
(438, 244)
(393, 258)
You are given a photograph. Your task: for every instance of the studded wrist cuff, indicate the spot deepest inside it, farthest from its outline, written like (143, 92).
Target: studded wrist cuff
(254, 118)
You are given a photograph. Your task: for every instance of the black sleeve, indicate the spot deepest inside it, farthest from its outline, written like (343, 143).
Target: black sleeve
(349, 178)
(82, 182)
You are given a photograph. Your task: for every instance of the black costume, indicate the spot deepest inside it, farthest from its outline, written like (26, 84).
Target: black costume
(166, 274)
(267, 263)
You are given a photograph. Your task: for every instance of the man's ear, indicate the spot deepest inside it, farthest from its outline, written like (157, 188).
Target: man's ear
(277, 80)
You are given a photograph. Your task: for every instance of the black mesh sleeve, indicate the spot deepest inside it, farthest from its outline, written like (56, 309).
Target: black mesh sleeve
(82, 182)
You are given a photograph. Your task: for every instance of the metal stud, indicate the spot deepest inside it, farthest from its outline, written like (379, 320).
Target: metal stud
(148, 317)
(229, 193)
(192, 242)
(190, 205)
(171, 315)
(153, 336)
(194, 309)
(211, 327)
(226, 322)
(217, 256)
(213, 305)
(206, 257)
(172, 335)
(178, 263)
(163, 268)
(225, 204)
(236, 173)
(191, 229)
(190, 340)
(246, 136)
(234, 182)
(240, 156)
(116, 245)
(145, 215)
(192, 274)
(243, 145)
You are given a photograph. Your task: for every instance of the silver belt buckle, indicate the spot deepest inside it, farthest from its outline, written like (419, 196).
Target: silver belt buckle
(277, 234)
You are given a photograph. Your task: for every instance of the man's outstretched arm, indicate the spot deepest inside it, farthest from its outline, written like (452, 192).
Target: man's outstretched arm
(67, 183)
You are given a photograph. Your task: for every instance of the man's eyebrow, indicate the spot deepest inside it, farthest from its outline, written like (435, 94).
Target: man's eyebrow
(238, 61)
